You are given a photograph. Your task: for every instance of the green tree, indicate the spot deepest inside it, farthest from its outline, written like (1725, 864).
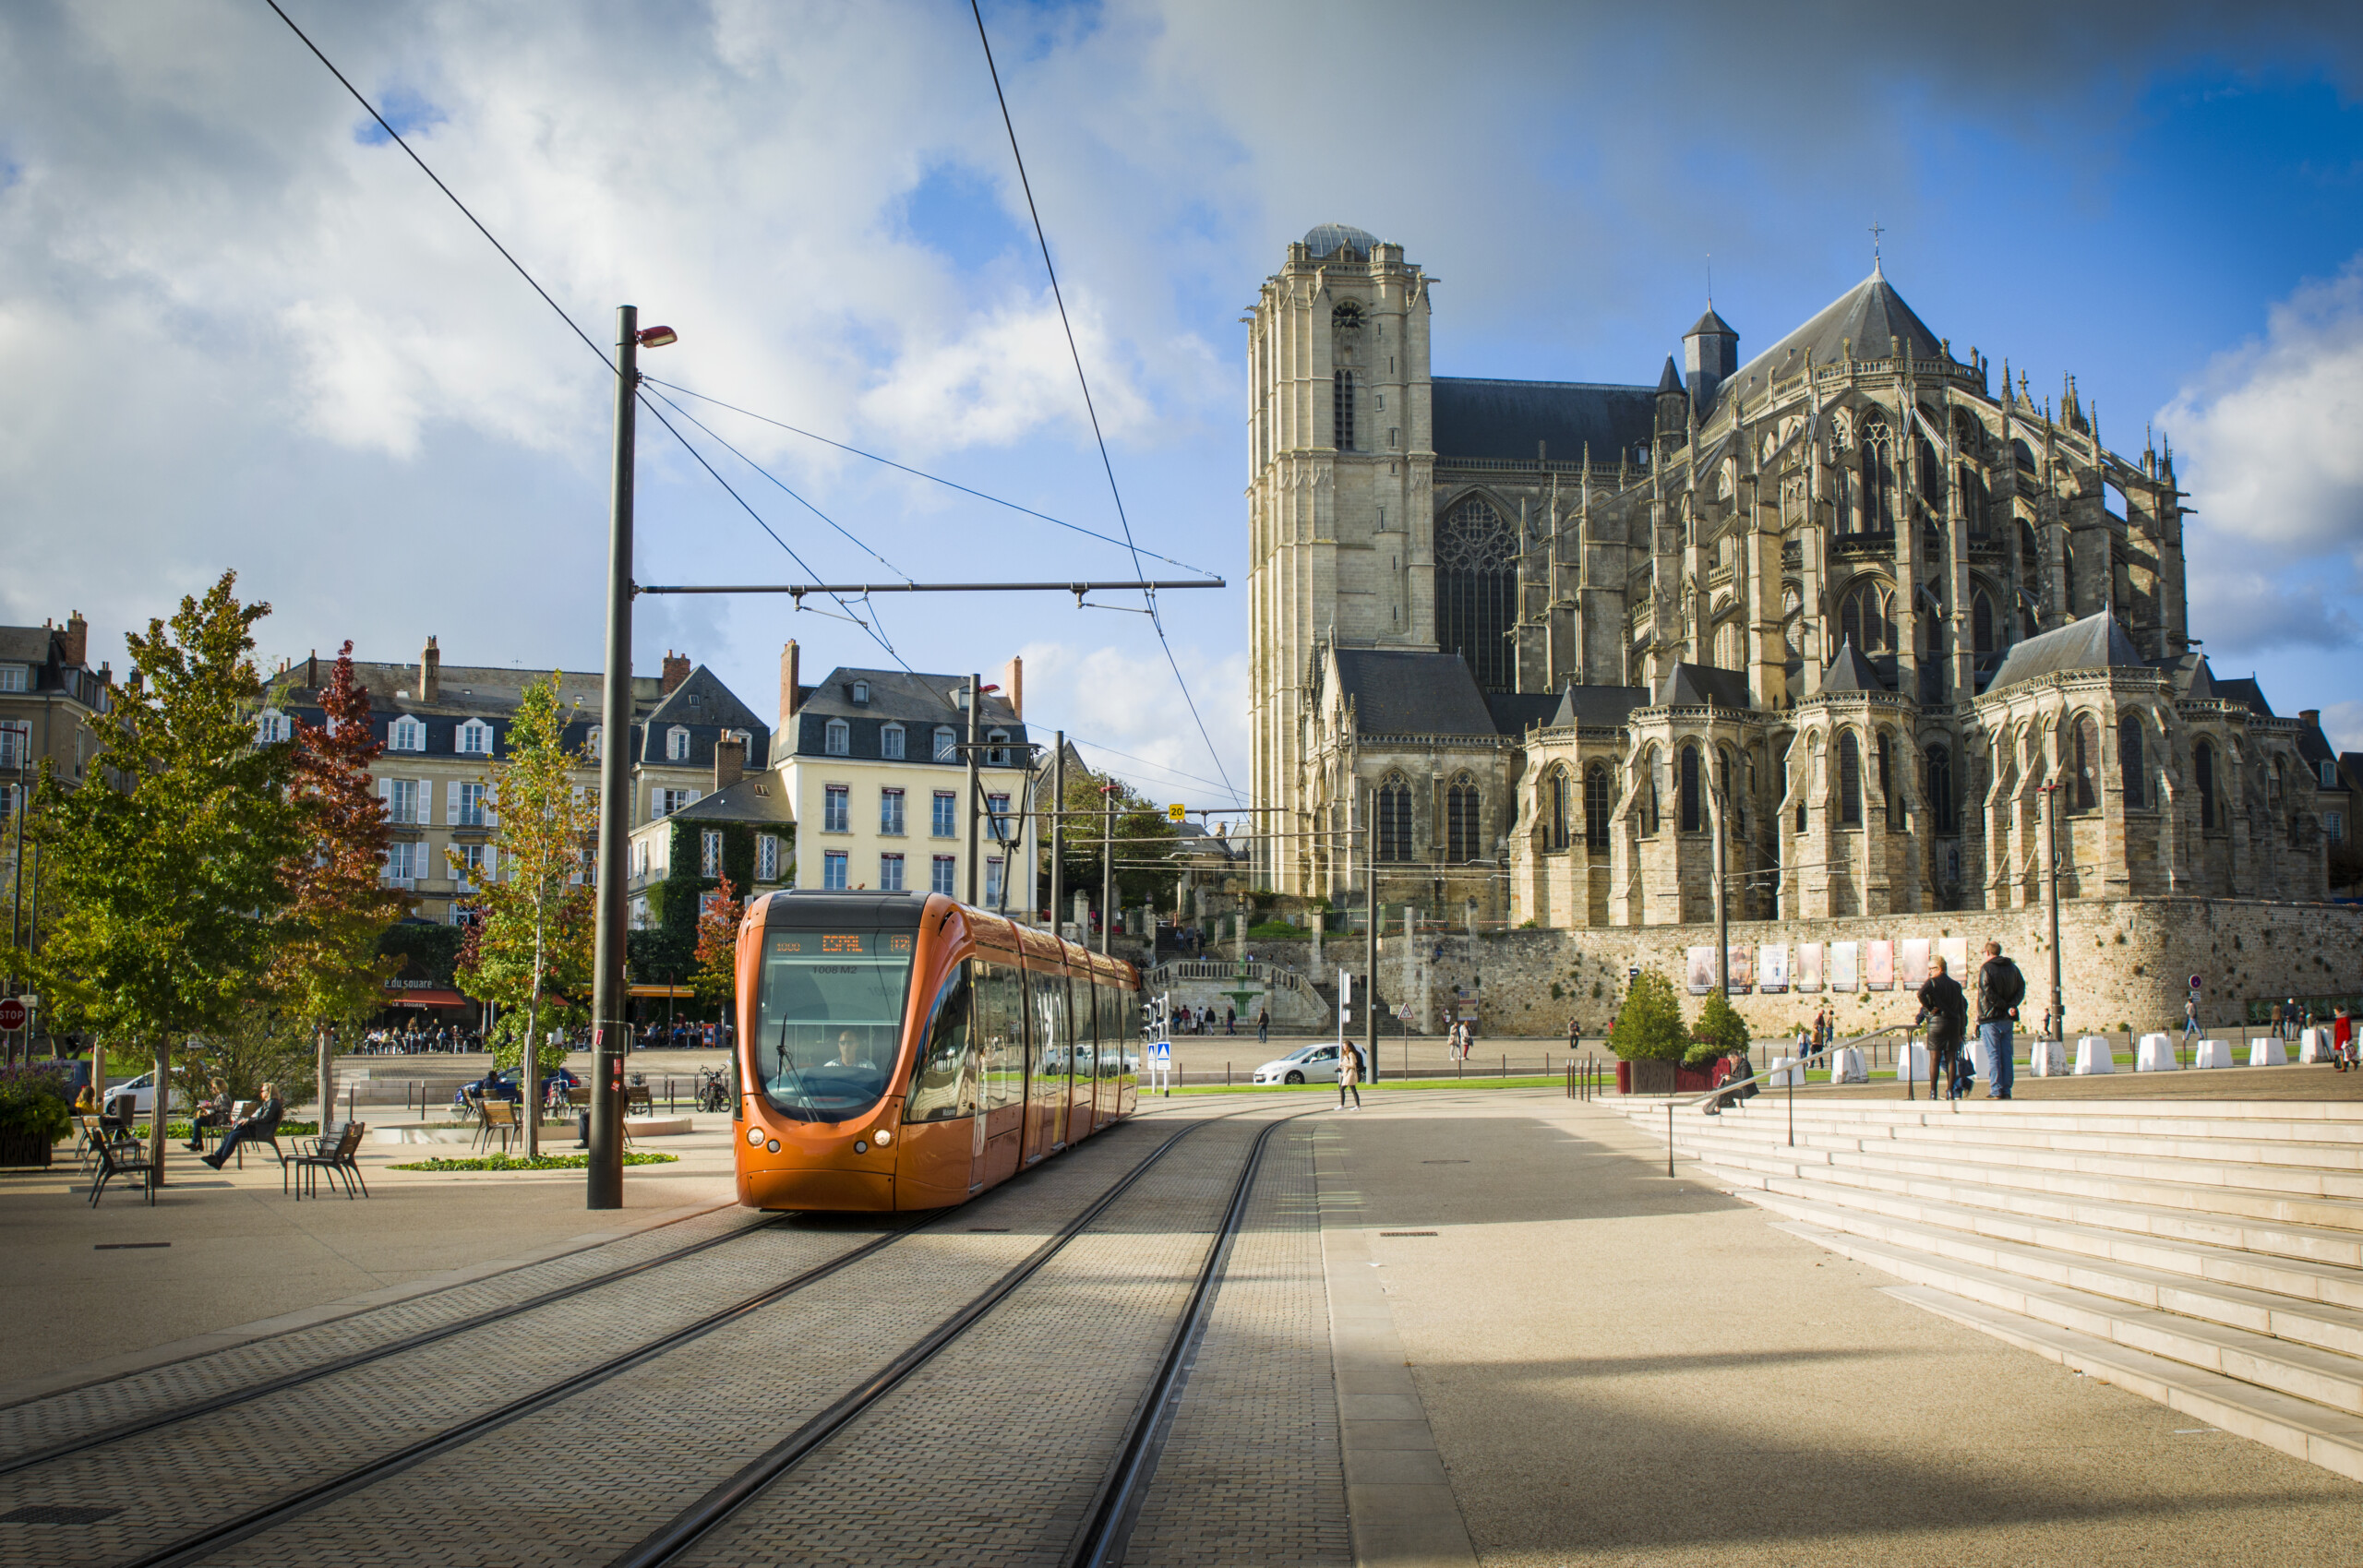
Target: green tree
(1719, 1032)
(1143, 840)
(1650, 1027)
(328, 971)
(531, 949)
(168, 873)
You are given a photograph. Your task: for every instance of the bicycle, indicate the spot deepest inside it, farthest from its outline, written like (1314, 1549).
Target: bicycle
(713, 1091)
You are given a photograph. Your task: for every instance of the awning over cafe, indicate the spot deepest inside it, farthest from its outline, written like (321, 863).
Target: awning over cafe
(425, 998)
(683, 991)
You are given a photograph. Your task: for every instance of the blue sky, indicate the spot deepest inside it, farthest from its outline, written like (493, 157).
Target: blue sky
(251, 334)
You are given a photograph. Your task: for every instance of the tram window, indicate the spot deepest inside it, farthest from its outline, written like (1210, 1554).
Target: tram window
(944, 1085)
(829, 1021)
(1086, 1017)
(999, 1032)
(1053, 1040)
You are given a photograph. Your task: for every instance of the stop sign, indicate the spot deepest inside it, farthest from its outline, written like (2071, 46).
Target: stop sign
(12, 1013)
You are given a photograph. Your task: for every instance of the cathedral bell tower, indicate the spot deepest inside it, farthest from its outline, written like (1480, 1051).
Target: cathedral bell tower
(1340, 459)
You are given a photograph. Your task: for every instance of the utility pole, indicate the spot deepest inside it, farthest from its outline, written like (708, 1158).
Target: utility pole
(1370, 929)
(1722, 912)
(2051, 899)
(1058, 831)
(1107, 860)
(604, 1184)
(976, 801)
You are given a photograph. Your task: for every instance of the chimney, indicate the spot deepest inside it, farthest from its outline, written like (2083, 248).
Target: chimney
(676, 670)
(430, 674)
(730, 763)
(77, 640)
(312, 670)
(783, 739)
(1013, 685)
(2311, 715)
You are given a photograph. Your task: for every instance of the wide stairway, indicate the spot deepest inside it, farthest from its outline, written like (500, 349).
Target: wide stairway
(2208, 1254)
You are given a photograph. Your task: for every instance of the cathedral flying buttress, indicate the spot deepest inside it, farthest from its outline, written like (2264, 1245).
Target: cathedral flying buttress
(1521, 649)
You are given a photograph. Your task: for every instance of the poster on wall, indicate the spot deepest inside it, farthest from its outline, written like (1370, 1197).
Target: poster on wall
(1808, 966)
(1702, 971)
(1878, 966)
(1743, 968)
(1955, 951)
(1912, 962)
(1843, 957)
(1772, 968)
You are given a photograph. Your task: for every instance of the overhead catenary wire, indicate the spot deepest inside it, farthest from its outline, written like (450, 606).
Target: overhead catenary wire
(1106, 462)
(915, 473)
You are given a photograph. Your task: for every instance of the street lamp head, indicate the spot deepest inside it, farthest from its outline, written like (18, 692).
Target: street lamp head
(657, 337)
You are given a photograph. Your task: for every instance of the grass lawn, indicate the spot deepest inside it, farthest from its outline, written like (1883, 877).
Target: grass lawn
(1553, 1080)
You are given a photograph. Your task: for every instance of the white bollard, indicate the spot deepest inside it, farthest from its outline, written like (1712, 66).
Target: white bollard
(2314, 1046)
(2267, 1053)
(2154, 1054)
(2214, 1053)
(1981, 1060)
(2093, 1055)
(2047, 1058)
(1846, 1066)
(1911, 1062)
(1785, 1073)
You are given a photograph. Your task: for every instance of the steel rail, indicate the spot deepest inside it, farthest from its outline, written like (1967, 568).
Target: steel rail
(346, 1362)
(667, 1543)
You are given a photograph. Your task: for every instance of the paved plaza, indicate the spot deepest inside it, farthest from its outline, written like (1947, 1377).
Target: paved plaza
(1457, 1326)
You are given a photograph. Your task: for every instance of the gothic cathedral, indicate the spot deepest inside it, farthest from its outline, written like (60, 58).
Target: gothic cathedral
(1853, 606)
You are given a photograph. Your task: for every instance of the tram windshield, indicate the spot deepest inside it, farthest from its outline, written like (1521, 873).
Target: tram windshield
(829, 1019)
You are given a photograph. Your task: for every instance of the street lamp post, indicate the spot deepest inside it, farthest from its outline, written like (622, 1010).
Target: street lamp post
(2051, 901)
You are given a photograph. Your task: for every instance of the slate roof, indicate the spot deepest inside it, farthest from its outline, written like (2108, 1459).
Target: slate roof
(1324, 239)
(1851, 672)
(1598, 706)
(1696, 685)
(2315, 748)
(1507, 419)
(25, 644)
(706, 707)
(918, 702)
(1406, 693)
(751, 799)
(2096, 643)
(2245, 691)
(1710, 325)
(1670, 379)
(1515, 712)
(1869, 314)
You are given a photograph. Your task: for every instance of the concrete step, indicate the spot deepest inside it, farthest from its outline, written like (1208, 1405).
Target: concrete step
(2251, 1146)
(2300, 1371)
(2301, 1280)
(2338, 1122)
(2327, 1326)
(2295, 1427)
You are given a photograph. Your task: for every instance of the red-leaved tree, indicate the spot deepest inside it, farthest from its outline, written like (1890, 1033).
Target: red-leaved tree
(715, 979)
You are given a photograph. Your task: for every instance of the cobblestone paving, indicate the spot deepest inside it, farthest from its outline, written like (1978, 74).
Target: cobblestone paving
(38, 1423)
(169, 1481)
(586, 1480)
(1251, 1471)
(991, 1454)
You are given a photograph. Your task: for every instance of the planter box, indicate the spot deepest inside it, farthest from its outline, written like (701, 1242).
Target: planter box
(23, 1149)
(1653, 1077)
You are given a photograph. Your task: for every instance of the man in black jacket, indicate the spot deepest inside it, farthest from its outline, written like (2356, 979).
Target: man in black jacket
(1943, 1008)
(2000, 988)
(261, 1126)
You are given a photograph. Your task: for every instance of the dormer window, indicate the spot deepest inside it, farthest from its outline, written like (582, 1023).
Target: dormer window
(406, 735)
(476, 738)
(837, 739)
(861, 693)
(999, 755)
(273, 726)
(596, 745)
(947, 743)
(890, 742)
(677, 744)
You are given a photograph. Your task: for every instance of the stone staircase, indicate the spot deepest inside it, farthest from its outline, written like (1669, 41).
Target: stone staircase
(2206, 1254)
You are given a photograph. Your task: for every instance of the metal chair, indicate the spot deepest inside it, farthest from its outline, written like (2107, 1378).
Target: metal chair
(334, 1153)
(500, 1116)
(124, 1157)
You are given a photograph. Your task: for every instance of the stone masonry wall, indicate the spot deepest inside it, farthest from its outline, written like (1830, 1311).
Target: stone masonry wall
(2125, 963)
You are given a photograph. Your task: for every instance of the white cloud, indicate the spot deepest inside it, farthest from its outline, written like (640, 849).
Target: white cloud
(2266, 435)
(2343, 722)
(2237, 610)
(1127, 702)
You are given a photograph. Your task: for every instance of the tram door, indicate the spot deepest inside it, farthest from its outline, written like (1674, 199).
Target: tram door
(1085, 1066)
(1050, 1044)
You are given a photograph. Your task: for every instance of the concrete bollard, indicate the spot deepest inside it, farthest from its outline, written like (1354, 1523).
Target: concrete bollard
(2094, 1056)
(1846, 1066)
(1911, 1062)
(2047, 1058)
(2212, 1053)
(2267, 1053)
(2154, 1054)
(2314, 1045)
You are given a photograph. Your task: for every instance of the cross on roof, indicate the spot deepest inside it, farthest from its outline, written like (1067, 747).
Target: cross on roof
(1876, 233)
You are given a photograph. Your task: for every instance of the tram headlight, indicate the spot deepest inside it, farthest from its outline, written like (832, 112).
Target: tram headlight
(772, 1145)
(755, 1137)
(883, 1136)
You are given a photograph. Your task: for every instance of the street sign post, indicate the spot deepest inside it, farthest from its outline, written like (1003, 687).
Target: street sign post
(1160, 1066)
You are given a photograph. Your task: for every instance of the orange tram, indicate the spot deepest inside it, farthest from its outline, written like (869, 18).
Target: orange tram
(901, 1050)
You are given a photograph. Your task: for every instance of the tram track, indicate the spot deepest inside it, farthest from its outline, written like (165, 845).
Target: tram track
(236, 1524)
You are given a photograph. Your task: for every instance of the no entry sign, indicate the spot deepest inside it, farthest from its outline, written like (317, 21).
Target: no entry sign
(12, 1013)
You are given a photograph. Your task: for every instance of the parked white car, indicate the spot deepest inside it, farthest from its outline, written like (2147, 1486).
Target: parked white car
(142, 1090)
(1313, 1064)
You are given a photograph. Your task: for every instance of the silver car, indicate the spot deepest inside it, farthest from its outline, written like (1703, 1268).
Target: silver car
(1313, 1064)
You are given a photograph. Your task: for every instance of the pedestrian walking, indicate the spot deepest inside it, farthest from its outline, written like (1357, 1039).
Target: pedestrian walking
(1350, 1076)
(1231, 1019)
(2276, 1020)
(1574, 1035)
(1263, 1025)
(2000, 989)
(2189, 1019)
(1945, 1008)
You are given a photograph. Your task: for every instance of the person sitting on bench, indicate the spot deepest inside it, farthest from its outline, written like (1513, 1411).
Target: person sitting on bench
(259, 1125)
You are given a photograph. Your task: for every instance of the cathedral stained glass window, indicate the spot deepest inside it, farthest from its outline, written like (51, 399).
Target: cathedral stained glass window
(1597, 804)
(2088, 761)
(1395, 820)
(1867, 619)
(1693, 807)
(1560, 809)
(1850, 781)
(1342, 408)
(2129, 761)
(1477, 590)
(1463, 840)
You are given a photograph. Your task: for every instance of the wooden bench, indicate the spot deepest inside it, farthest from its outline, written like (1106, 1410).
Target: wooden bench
(335, 1151)
(500, 1117)
(124, 1157)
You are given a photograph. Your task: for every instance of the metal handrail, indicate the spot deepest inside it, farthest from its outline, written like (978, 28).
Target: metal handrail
(1798, 1066)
